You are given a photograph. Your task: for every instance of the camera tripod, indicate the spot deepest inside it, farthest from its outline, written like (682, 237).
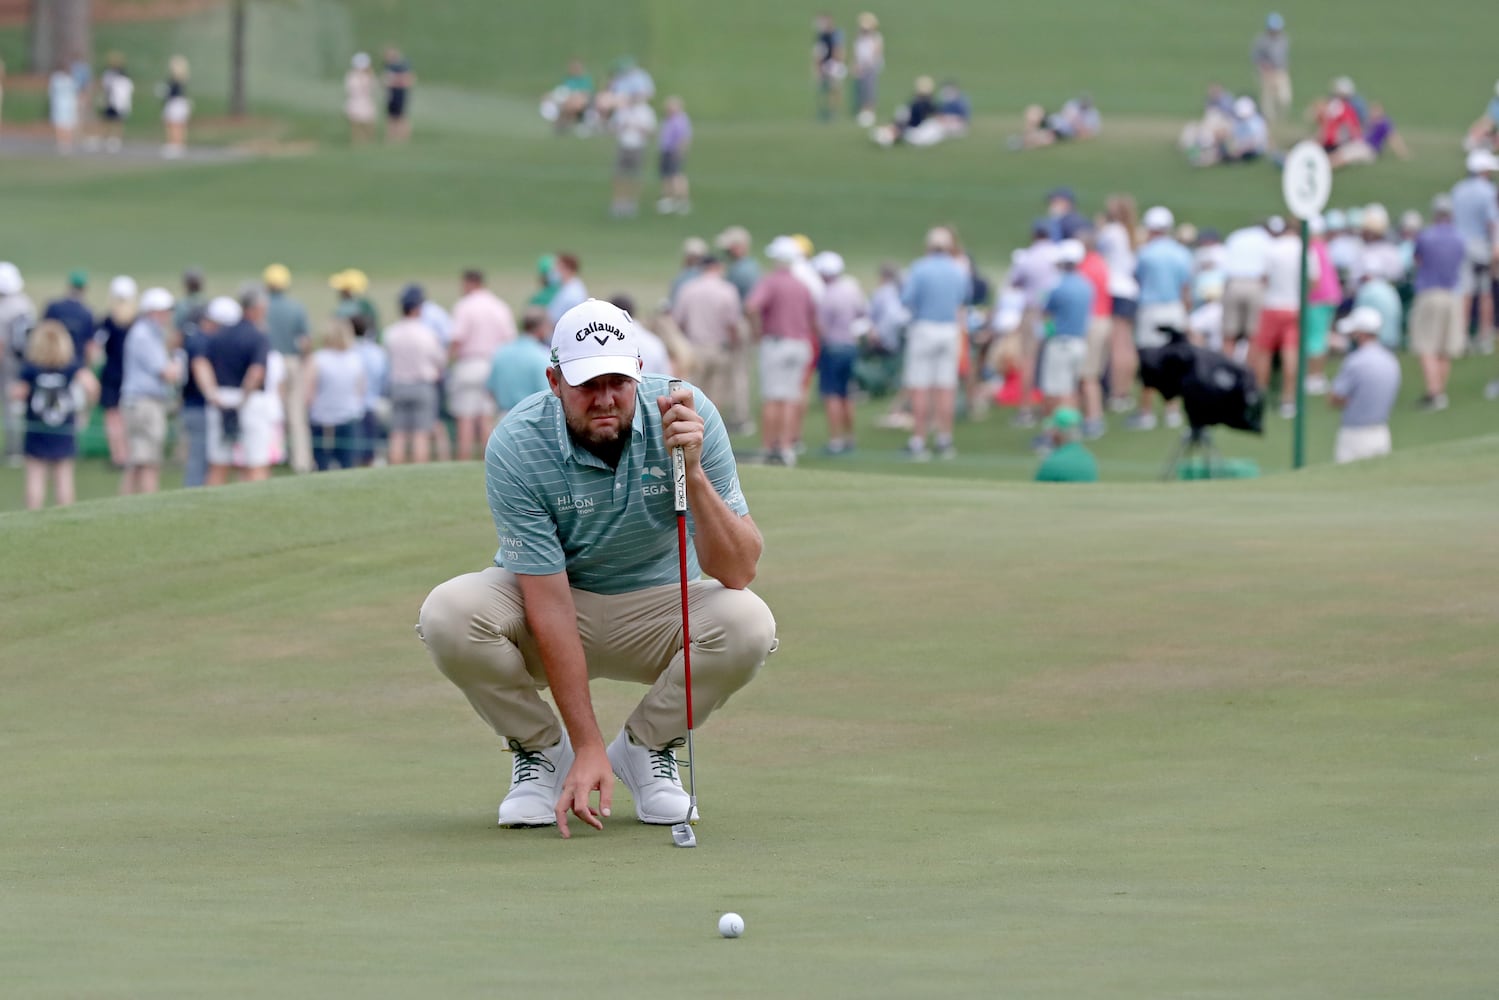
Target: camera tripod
(1195, 442)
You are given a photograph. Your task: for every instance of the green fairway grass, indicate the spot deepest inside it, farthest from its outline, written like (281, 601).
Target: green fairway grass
(1233, 741)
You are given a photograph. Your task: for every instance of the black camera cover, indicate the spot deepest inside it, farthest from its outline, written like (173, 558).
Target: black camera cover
(1214, 390)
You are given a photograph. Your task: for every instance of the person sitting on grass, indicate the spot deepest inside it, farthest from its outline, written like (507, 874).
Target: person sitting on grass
(1068, 460)
(1078, 119)
(569, 105)
(1379, 135)
(1246, 139)
(55, 388)
(910, 116)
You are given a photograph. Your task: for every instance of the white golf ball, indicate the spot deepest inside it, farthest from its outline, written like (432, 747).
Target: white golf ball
(731, 925)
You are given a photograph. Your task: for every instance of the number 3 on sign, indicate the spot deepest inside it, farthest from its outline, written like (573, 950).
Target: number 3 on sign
(1306, 180)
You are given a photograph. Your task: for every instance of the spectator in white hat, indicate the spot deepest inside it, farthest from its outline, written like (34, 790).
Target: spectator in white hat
(1365, 390)
(935, 293)
(1164, 269)
(842, 318)
(1068, 307)
(231, 370)
(1475, 211)
(359, 99)
(109, 340)
(784, 317)
(151, 375)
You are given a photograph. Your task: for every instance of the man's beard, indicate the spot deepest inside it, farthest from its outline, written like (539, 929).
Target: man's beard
(606, 445)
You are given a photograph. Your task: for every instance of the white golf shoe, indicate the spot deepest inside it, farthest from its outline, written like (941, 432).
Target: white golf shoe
(536, 784)
(652, 778)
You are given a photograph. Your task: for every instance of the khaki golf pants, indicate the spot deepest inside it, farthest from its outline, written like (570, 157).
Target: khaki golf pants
(474, 627)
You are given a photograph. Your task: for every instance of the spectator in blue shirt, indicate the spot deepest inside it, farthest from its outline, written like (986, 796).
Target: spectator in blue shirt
(1068, 307)
(935, 292)
(520, 367)
(1163, 267)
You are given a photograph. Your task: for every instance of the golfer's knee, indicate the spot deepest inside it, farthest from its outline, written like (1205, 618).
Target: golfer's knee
(456, 625)
(742, 633)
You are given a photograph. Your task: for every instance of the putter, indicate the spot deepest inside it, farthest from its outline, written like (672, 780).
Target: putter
(682, 834)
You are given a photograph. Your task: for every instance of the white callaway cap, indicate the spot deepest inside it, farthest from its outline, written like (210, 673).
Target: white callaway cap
(595, 338)
(224, 311)
(156, 300)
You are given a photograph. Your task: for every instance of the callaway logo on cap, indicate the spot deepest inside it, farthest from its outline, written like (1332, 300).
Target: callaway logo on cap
(595, 338)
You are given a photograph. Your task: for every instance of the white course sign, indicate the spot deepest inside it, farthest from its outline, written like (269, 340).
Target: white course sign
(1306, 180)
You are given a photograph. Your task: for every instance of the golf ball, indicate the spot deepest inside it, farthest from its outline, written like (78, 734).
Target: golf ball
(731, 925)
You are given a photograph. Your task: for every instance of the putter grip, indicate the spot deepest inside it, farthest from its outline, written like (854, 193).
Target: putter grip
(678, 462)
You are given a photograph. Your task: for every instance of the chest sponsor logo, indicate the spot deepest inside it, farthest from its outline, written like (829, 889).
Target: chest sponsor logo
(654, 481)
(566, 501)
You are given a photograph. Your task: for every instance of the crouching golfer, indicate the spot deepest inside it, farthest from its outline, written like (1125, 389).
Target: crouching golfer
(586, 581)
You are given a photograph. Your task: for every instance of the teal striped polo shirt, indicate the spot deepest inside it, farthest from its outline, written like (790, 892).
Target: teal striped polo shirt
(558, 507)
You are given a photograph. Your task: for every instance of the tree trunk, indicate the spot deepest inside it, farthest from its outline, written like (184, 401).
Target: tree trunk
(237, 32)
(41, 51)
(73, 31)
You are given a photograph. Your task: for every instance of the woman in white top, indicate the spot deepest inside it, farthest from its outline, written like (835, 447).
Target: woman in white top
(336, 398)
(359, 99)
(176, 109)
(869, 62)
(1116, 244)
(62, 101)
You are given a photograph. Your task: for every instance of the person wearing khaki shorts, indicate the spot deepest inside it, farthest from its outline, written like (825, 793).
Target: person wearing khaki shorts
(150, 375)
(585, 584)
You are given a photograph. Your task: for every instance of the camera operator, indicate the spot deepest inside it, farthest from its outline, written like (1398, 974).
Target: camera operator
(1365, 389)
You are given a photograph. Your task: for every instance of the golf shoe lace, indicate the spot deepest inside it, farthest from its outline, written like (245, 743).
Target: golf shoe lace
(529, 763)
(664, 761)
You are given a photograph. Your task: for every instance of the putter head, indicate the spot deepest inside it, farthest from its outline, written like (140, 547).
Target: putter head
(682, 835)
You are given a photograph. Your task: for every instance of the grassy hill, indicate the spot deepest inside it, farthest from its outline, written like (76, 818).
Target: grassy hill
(1133, 741)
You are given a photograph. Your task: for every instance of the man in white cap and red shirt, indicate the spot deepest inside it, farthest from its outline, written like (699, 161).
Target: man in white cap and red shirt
(585, 584)
(1365, 389)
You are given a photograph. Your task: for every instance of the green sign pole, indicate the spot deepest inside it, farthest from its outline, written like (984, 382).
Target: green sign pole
(1298, 456)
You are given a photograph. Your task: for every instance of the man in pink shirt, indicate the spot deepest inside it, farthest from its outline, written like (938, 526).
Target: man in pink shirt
(1100, 323)
(709, 315)
(784, 317)
(482, 324)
